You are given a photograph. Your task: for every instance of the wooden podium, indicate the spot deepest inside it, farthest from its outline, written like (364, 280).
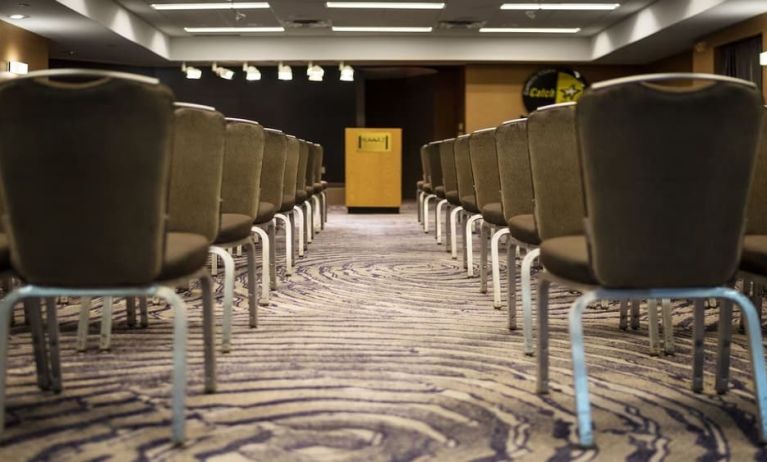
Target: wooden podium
(373, 168)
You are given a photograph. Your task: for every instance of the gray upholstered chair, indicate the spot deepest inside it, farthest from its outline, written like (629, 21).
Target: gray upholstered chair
(114, 150)
(319, 189)
(423, 186)
(471, 213)
(270, 201)
(302, 196)
(643, 194)
(437, 185)
(450, 181)
(288, 211)
(312, 193)
(487, 185)
(429, 188)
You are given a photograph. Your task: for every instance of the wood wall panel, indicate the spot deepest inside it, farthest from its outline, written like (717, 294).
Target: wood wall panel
(17, 44)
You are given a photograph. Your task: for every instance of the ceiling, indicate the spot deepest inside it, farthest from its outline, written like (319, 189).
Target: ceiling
(131, 32)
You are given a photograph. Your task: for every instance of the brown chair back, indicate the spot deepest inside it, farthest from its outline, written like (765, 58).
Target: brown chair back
(756, 212)
(484, 167)
(464, 175)
(514, 168)
(447, 161)
(291, 172)
(243, 161)
(273, 170)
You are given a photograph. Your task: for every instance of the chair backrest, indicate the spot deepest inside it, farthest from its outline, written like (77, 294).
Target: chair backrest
(273, 170)
(425, 163)
(463, 173)
(243, 161)
(196, 170)
(311, 164)
(514, 168)
(484, 167)
(435, 164)
(556, 171)
(303, 161)
(318, 160)
(91, 155)
(292, 149)
(667, 171)
(756, 212)
(447, 161)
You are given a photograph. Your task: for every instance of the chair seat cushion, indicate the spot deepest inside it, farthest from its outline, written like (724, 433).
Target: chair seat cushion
(185, 253)
(287, 203)
(493, 213)
(452, 197)
(266, 212)
(234, 227)
(469, 204)
(754, 255)
(440, 192)
(5, 253)
(301, 197)
(523, 229)
(568, 258)
(427, 188)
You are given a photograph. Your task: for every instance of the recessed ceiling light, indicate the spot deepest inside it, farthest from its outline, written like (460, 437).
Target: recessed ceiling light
(211, 6)
(388, 5)
(560, 6)
(18, 16)
(231, 30)
(381, 29)
(532, 30)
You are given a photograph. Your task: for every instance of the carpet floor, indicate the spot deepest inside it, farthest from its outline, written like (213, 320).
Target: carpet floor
(378, 348)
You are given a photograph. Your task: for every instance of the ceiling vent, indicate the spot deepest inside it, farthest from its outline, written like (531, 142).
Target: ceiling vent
(461, 24)
(307, 24)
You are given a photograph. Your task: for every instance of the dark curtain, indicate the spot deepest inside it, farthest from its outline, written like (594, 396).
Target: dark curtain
(741, 59)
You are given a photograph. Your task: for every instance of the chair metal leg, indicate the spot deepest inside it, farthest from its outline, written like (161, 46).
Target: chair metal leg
(465, 243)
(438, 220)
(324, 208)
(542, 383)
(527, 299)
(652, 328)
(624, 314)
(668, 327)
(511, 291)
(265, 277)
(300, 222)
(213, 267)
(6, 306)
(53, 343)
(484, 236)
(496, 266)
(634, 314)
(130, 309)
(453, 231)
(226, 321)
(271, 230)
(580, 374)
(469, 245)
(105, 341)
(698, 331)
(723, 347)
(288, 243)
(426, 211)
(82, 325)
(308, 226)
(143, 312)
(208, 333)
(250, 250)
(317, 215)
(40, 348)
(448, 231)
(419, 204)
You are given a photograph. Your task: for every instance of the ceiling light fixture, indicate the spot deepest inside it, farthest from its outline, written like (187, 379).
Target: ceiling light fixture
(222, 72)
(191, 72)
(381, 29)
(18, 16)
(532, 30)
(561, 6)
(388, 5)
(251, 72)
(232, 30)
(284, 72)
(315, 72)
(347, 72)
(211, 6)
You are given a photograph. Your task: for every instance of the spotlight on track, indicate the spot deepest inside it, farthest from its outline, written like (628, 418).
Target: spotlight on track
(284, 72)
(315, 72)
(251, 72)
(222, 72)
(191, 72)
(347, 72)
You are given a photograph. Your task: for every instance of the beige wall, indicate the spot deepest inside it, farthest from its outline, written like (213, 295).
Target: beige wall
(494, 91)
(705, 49)
(17, 44)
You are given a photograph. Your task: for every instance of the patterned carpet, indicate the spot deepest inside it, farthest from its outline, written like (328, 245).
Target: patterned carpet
(377, 349)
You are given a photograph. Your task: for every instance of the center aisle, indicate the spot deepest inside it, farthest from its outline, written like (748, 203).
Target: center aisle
(378, 348)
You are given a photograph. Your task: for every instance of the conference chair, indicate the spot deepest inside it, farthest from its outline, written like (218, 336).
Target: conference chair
(423, 186)
(270, 201)
(447, 161)
(114, 151)
(638, 242)
(312, 193)
(471, 213)
(487, 184)
(428, 187)
(437, 185)
(517, 199)
(302, 196)
(319, 190)
(288, 211)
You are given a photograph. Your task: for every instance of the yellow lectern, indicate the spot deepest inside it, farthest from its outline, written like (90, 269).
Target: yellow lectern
(373, 167)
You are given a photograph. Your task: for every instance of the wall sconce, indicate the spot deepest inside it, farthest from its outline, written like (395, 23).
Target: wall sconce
(17, 67)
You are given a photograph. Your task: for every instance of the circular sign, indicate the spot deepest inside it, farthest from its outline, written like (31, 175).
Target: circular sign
(551, 86)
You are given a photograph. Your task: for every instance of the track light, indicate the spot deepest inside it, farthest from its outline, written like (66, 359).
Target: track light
(251, 72)
(347, 72)
(222, 72)
(191, 72)
(315, 72)
(284, 72)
